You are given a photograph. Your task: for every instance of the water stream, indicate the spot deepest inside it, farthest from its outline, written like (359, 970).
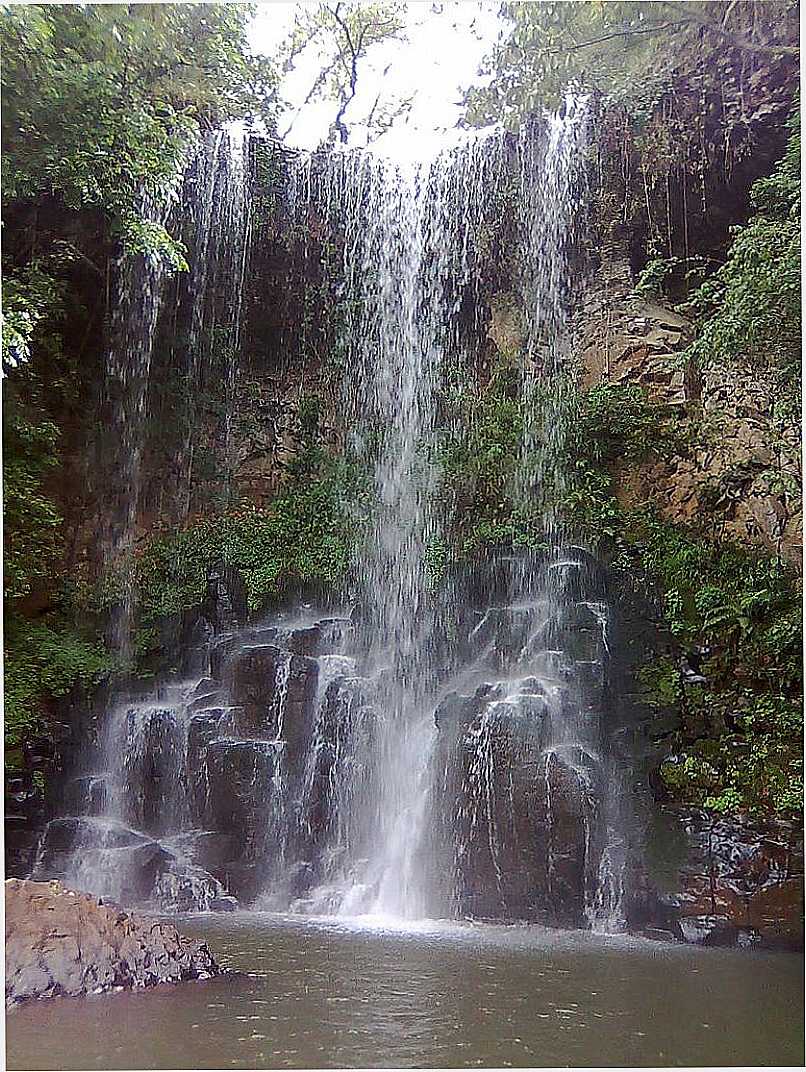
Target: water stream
(435, 750)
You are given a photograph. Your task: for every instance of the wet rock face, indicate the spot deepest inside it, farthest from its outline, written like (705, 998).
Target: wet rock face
(251, 782)
(225, 605)
(125, 865)
(525, 816)
(63, 943)
(522, 762)
(736, 883)
(240, 778)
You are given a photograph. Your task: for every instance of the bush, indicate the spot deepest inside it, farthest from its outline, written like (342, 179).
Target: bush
(307, 533)
(45, 659)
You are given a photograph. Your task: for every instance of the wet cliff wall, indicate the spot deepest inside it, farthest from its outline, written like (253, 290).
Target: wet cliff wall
(695, 446)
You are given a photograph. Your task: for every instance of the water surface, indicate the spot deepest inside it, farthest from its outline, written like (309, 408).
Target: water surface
(325, 994)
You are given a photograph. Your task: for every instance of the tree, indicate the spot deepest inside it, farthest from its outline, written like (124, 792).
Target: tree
(343, 35)
(101, 101)
(625, 49)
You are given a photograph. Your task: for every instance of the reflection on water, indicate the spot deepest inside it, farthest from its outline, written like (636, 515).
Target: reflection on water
(333, 994)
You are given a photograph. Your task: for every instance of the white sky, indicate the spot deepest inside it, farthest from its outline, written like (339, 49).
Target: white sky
(439, 58)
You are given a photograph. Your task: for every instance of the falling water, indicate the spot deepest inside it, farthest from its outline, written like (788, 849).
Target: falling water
(551, 180)
(217, 227)
(406, 265)
(442, 752)
(212, 204)
(141, 285)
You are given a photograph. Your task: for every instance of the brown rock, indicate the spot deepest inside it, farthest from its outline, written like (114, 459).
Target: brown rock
(61, 942)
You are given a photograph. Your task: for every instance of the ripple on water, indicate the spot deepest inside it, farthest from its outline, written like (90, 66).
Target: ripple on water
(339, 994)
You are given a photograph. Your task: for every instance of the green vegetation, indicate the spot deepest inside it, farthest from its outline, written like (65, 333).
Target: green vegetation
(627, 49)
(479, 458)
(483, 454)
(749, 309)
(31, 521)
(740, 743)
(45, 659)
(306, 534)
(100, 104)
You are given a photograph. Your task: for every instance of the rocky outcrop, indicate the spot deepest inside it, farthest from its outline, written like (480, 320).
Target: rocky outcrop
(732, 464)
(728, 882)
(63, 943)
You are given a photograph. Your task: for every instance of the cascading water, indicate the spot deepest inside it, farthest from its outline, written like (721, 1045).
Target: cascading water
(212, 203)
(406, 262)
(217, 228)
(552, 179)
(440, 750)
(141, 285)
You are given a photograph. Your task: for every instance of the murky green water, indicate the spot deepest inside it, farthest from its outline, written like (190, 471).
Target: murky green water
(327, 995)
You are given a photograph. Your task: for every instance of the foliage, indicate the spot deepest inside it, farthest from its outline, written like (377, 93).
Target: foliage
(45, 659)
(740, 746)
(750, 307)
(32, 536)
(627, 50)
(32, 297)
(100, 102)
(342, 35)
(616, 422)
(482, 456)
(662, 276)
(305, 534)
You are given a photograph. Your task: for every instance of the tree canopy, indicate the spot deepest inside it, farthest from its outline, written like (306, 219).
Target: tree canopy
(343, 35)
(625, 48)
(101, 100)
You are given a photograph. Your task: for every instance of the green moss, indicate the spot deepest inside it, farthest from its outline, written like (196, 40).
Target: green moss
(32, 523)
(659, 683)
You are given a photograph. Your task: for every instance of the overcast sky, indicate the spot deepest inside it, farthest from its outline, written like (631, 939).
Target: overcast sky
(439, 59)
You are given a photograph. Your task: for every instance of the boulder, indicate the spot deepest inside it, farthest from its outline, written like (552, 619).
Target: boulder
(63, 943)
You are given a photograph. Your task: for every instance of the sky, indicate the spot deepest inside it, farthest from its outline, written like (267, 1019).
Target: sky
(439, 58)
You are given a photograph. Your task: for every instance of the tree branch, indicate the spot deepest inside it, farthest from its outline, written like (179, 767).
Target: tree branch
(626, 32)
(737, 40)
(338, 122)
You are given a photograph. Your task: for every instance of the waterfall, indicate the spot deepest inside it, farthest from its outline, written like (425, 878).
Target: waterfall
(551, 183)
(140, 285)
(406, 263)
(438, 748)
(217, 218)
(208, 201)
